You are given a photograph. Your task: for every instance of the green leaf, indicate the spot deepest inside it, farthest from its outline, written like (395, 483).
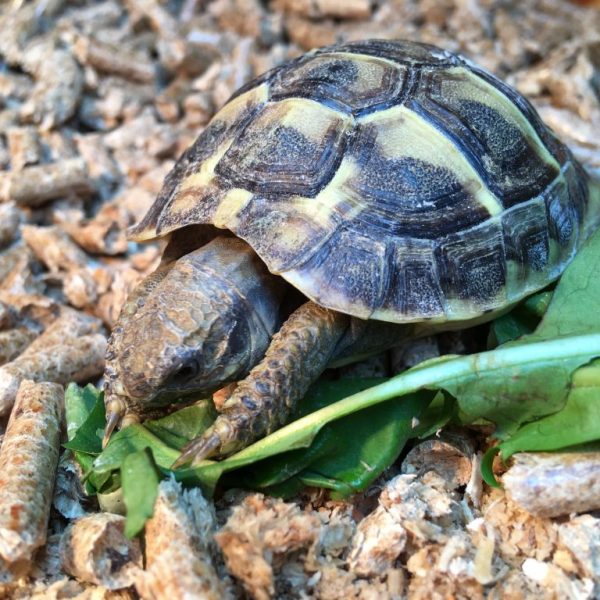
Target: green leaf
(79, 403)
(352, 451)
(131, 440)
(139, 481)
(487, 467)
(88, 436)
(577, 423)
(509, 327)
(180, 427)
(576, 301)
(377, 437)
(537, 305)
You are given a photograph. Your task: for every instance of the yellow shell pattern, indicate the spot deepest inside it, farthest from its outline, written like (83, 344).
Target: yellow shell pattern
(387, 180)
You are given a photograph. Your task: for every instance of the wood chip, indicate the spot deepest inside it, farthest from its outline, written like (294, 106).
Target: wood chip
(449, 456)
(10, 217)
(28, 460)
(258, 530)
(14, 341)
(71, 324)
(59, 82)
(95, 550)
(54, 248)
(24, 146)
(317, 9)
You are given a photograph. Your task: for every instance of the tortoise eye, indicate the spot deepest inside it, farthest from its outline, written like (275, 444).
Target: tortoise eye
(186, 371)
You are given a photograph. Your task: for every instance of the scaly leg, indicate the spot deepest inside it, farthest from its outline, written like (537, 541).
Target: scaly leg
(261, 403)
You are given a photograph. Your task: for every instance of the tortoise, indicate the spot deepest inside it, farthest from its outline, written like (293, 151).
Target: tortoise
(396, 187)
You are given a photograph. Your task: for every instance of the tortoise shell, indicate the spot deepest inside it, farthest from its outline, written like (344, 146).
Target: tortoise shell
(387, 180)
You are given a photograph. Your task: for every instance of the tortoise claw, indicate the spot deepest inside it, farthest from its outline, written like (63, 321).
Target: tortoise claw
(198, 449)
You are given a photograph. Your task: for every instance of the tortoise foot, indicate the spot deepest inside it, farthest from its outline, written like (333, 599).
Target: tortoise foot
(219, 439)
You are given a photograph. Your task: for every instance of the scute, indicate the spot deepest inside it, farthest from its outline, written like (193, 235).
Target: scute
(515, 162)
(350, 83)
(292, 146)
(388, 180)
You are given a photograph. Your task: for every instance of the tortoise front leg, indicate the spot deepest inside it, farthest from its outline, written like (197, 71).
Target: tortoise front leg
(261, 403)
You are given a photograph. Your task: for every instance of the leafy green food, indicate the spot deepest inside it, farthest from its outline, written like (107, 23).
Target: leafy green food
(87, 437)
(351, 452)
(79, 403)
(577, 423)
(139, 481)
(541, 388)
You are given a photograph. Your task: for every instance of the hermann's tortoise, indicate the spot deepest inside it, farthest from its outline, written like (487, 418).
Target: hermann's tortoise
(397, 186)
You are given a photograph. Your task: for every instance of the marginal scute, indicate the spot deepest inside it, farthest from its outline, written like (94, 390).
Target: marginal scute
(388, 180)
(563, 222)
(349, 273)
(472, 268)
(287, 233)
(525, 231)
(414, 289)
(292, 146)
(223, 127)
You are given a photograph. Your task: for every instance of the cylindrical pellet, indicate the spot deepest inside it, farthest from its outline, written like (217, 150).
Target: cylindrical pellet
(178, 560)
(77, 359)
(555, 484)
(28, 461)
(94, 549)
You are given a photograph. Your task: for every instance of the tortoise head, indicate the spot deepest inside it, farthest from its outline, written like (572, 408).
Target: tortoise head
(189, 328)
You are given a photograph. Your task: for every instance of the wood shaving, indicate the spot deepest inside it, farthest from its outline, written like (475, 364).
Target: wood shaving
(35, 185)
(259, 533)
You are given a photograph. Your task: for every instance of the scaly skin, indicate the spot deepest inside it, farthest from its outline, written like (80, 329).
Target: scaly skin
(261, 403)
(114, 394)
(199, 322)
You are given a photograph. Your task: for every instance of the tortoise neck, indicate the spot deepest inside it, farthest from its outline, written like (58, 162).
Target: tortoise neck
(235, 263)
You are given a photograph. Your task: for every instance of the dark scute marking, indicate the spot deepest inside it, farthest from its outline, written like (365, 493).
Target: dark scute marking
(410, 84)
(351, 266)
(561, 214)
(409, 196)
(515, 171)
(407, 52)
(552, 143)
(414, 285)
(526, 237)
(279, 159)
(265, 223)
(472, 265)
(336, 82)
(578, 188)
(455, 129)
